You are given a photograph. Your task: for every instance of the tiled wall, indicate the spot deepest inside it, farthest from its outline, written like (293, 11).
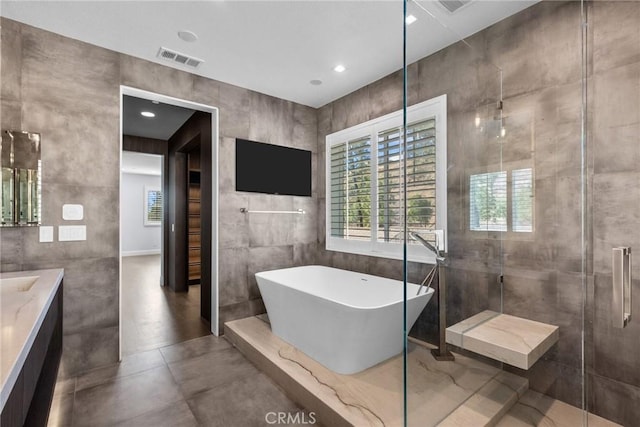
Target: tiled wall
(250, 243)
(538, 51)
(68, 91)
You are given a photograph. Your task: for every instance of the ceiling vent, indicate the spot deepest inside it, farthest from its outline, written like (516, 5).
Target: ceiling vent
(180, 58)
(453, 5)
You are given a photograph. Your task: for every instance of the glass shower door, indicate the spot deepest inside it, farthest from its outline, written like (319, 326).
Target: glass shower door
(613, 130)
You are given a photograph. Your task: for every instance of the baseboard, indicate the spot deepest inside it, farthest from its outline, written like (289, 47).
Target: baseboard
(140, 253)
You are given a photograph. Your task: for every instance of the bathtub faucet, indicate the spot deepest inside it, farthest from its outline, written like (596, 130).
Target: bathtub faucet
(435, 249)
(437, 274)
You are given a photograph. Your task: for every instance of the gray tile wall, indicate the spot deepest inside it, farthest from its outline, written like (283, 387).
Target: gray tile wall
(250, 243)
(69, 91)
(539, 53)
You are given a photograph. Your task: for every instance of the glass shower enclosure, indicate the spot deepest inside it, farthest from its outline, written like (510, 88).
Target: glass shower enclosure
(541, 212)
(543, 198)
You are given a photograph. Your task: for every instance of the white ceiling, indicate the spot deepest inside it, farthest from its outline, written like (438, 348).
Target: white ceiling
(273, 47)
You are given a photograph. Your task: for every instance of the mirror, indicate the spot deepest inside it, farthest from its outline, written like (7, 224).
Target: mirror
(21, 178)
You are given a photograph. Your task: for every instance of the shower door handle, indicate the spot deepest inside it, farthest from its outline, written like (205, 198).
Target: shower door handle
(621, 302)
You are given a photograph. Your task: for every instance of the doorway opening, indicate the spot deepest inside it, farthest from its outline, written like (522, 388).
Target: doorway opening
(168, 221)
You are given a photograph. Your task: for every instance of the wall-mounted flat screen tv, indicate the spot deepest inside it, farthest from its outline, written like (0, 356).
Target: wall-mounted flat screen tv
(272, 169)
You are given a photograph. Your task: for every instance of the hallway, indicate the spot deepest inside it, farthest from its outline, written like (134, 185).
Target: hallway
(154, 316)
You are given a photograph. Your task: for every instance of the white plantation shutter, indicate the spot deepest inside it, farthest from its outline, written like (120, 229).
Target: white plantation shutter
(351, 189)
(421, 180)
(488, 201)
(522, 200)
(338, 189)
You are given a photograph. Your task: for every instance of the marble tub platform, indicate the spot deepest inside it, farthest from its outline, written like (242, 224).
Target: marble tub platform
(439, 393)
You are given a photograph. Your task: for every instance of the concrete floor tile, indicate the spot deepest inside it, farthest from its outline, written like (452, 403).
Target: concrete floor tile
(211, 370)
(243, 402)
(124, 398)
(129, 365)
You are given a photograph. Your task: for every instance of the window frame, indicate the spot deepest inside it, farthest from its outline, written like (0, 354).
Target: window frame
(433, 108)
(146, 221)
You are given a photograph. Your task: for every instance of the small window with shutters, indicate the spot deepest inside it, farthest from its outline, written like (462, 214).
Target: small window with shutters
(501, 200)
(152, 206)
(365, 174)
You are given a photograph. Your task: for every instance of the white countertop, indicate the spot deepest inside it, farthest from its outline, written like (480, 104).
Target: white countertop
(21, 316)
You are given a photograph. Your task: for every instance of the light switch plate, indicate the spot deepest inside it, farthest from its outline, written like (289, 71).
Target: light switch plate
(72, 233)
(72, 212)
(46, 234)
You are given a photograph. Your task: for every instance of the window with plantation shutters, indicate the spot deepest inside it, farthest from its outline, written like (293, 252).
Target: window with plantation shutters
(365, 176)
(152, 206)
(501, 201)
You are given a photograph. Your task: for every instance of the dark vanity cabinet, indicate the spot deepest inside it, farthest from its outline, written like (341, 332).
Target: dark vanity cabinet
(29, 402)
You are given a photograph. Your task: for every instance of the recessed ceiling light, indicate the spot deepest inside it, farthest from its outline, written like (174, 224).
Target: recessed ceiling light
(339, 68)
(410, 19)
(148, 114)
(316, 82)
(188, 36)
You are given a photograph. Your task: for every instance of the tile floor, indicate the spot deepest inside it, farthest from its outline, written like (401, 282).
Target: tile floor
(153, 316)
(201, 382)
(173, 373)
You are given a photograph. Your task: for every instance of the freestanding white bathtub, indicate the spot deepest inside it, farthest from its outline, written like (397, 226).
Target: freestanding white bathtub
(347, 321)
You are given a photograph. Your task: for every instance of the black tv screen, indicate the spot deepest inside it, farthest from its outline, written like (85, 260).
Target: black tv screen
(272, 169)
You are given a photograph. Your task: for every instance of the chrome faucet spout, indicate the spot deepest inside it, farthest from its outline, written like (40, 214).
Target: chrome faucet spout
(415, 236)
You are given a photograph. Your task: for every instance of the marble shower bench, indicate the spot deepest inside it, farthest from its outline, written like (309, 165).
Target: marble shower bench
(512, 340)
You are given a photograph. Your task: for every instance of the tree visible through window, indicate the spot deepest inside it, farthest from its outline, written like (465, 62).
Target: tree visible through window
(420, 211)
